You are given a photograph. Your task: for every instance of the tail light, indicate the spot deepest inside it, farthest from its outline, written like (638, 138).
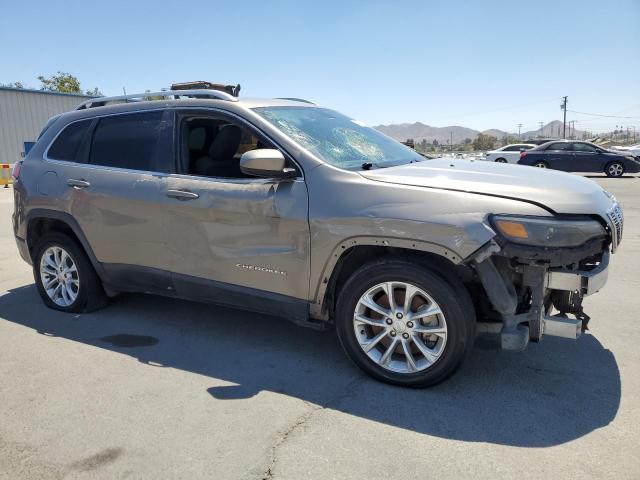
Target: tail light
(16, 170)
(522, 155)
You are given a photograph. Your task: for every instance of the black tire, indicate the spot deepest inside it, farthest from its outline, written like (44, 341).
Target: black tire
(90, 294)
(617, 170)
(500, 160)
(541, 164)
(450, 294)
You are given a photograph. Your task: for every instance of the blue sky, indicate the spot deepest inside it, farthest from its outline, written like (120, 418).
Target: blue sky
(482, 64)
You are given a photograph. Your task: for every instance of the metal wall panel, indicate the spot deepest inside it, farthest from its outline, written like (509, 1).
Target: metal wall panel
(23, 113)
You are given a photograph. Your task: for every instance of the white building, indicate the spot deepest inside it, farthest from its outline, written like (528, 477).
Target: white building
(24, 112)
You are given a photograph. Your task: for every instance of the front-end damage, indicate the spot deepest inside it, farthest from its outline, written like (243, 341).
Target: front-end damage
(533, 291)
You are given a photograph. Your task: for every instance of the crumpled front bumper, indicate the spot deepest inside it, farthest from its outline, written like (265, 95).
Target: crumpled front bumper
(525, 293)
(582, 282)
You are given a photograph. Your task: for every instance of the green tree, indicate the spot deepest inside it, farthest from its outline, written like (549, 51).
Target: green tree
(94, 93)
(509, 139)
(12, 85)
(484, 142)
(61, 82)
(65, 83)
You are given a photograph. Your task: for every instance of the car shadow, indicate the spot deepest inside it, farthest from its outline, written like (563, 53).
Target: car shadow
(554, 392)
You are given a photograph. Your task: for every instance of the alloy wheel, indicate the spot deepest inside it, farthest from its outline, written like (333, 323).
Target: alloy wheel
(400, 327)
(615, 170)
(59, 276)
(541, 165)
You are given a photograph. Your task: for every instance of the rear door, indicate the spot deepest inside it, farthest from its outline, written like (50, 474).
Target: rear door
(560, 157)
(116, 196)
(511, 153)
(229, 233)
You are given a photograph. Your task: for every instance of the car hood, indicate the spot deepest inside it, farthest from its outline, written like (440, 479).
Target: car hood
(556, 191)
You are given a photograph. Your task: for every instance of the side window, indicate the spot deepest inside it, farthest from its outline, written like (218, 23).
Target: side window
(67, 145)
(512, 148)
(584, 147)
(128, 141)
(212, 147)
(559, 146)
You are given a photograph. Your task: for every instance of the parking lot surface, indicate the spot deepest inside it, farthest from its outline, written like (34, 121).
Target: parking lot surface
(159, 388)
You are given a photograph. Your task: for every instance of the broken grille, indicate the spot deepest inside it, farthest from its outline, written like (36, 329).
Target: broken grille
(617, 222)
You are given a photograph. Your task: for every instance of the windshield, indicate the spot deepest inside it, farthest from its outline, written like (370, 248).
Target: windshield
(337, 139)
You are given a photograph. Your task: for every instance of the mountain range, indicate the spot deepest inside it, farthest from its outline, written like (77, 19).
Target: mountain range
(419, 131)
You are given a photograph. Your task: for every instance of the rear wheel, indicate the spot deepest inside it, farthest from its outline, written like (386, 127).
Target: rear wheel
(64, 275)
(614, 169)
(404, 324)
(541, 164)
(501, 160)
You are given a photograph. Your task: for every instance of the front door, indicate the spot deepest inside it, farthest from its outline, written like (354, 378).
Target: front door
(232, 237)
(587, 158)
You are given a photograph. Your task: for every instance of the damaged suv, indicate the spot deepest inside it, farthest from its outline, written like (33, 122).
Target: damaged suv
(283, 207)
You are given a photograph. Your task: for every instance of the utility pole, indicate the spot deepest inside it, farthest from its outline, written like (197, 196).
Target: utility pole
(451, 140)
(564, 121)
(541, 129)
(519, 127)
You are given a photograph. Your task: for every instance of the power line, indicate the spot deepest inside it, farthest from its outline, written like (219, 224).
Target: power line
(601, 115)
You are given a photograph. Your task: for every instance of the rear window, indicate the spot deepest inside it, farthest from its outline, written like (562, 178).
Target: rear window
(127, 141)
(67, 145)
(559, 146)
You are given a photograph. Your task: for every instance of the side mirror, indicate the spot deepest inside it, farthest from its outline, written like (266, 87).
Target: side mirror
(266, 163)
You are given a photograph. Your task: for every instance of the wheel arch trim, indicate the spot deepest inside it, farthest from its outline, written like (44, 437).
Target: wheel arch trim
(43, 213)
(318, 302)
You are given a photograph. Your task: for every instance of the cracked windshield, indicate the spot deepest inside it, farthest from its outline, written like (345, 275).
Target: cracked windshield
(338, 139)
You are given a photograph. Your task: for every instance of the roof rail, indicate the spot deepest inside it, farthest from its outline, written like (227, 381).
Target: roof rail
(141, 97)
(296, 100)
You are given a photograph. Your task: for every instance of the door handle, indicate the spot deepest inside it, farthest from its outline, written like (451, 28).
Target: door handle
(182, 194)
(75, 183)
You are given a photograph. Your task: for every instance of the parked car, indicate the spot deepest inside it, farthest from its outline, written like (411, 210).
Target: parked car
(283, 207)
(573, 156)
(508, 153)
(629, 149)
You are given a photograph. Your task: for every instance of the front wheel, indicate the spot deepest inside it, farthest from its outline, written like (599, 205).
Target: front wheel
(404, 324)
(614, 169)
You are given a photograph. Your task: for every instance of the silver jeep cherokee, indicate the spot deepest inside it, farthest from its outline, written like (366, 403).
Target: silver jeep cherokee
(282, 207)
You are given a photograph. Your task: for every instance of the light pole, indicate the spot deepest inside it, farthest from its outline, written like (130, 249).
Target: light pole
(519, 127)
(564, 121)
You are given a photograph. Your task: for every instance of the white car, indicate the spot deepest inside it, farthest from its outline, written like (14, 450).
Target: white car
(630, 149)
(508, 153)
